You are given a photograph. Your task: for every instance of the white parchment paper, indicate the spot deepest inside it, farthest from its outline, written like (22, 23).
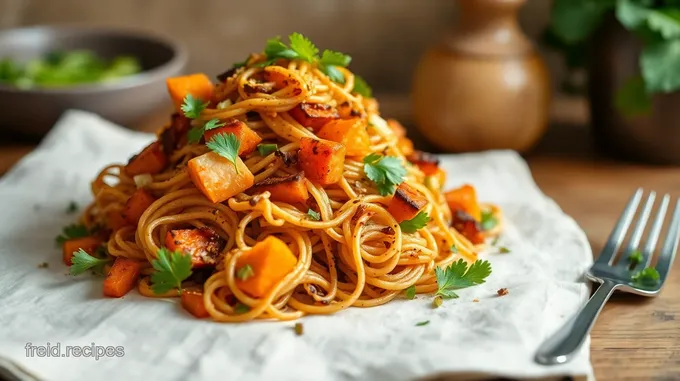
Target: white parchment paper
(495, 336)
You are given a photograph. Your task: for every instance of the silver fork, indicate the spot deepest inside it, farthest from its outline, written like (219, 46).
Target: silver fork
(563, 344)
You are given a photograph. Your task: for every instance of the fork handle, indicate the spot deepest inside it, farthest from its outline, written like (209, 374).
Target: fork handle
(564, 343)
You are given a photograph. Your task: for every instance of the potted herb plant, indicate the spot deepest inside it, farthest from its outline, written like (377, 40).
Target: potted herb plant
(631, 49)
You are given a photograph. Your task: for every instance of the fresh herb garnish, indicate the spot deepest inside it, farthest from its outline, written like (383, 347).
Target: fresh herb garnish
(416, 223)
(266, 149)
(72, 231)
(422, 323)
(241, 308)
(488, 221)
(82, 261)
(329, 63)
(72, 207)
(227, 146)
(385, 171)
(635, 258)
(192, 107)
(411, 292)
(458, 276)
(316, 216)
(503, 250)
(245, 272)
(362, 88)
(171, 269)
(648, 276)
(196, 133)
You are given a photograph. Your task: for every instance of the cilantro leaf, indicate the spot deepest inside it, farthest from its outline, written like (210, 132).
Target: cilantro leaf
(632, 98)
(333, 73)
(245, 272)
(458, 275)
(385, 171)
(411, 292)
(303, 47)
(416, 223)
(72, 231)
(171, 269)
(212, 124)
(330, 57)
(192, 107)
(635, 258)
(648, 276)
(82, 261)
(266, 149)
(316, 216)
(488, 221)
(422, 323)
(195, 134)
(362, 88)
(226, 145)
(72, 207)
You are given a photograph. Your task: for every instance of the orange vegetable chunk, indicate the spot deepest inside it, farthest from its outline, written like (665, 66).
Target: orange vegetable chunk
(464, 199)
(115, 220)
(350, 132)
(217, 178)
(151, 160)
(248, 138)
(192, 301)
(203, 244)
(290, 189)
(136, 205)
(88, 244)
(271, 260)
(122, 277)
(406, 203)
(198, 85)
(322, 160)
(314, 115)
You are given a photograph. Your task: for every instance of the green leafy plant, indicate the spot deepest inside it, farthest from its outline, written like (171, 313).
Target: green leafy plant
(655, 22)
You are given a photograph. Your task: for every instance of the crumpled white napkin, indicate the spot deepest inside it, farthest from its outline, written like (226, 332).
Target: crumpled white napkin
(494, 336)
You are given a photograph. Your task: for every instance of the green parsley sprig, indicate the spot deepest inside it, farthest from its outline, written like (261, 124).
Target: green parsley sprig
(411, 292)
(196, 133)
(489, 221)
(458, 275)
(416, 223)
(362, 88)
(82, 261)
(70, 232)
(314, 215)
(193, 107)
(385, 171)
(171, 269)
(227, 146)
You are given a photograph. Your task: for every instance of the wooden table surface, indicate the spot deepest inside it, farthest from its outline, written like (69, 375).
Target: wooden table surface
(635, 338)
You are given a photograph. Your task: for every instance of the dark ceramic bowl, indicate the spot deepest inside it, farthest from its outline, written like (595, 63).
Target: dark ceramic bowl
(129, 101)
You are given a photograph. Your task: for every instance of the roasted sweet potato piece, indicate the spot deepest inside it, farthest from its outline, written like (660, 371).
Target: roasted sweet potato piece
(345, 111)
(115, 220)
(204, 245)
(406, 203)
(249, 139)
(217, 177)
(467, 226)
(427, 162)
(270, 261)
(198, 85)
(174, 135)
(465, 199)
(122, 277)
(88, 244)
(192, 301)
(321, 160)
(290, 189)
(136, 205)
(151, 160)
(314, 115)
(350, 132)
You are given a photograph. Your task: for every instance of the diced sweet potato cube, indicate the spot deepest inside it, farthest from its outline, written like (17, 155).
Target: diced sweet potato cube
(204, 245)
(314, 115)
(198, 85)
(322, 160)
(136, 205)
(464, 199)
(115, 220)
(122, 277)
(88, 244)
(350, 132)
(270, 260)
(192, 301)
(248, 138)
(406, 203)
(290, 189)
(151, 160)
(427, 162)
(467, 226)
(218, 178)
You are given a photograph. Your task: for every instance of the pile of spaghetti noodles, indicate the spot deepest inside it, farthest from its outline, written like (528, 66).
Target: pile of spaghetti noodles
(348, 238)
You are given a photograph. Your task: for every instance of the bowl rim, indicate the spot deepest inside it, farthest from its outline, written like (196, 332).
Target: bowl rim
(175, 63)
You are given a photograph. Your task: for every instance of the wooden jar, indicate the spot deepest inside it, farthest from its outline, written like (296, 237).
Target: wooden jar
(484, 86)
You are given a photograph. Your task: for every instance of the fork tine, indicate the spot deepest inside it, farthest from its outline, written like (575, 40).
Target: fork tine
(640, 225)
(655, 232)
(619, 233)
(670, 245)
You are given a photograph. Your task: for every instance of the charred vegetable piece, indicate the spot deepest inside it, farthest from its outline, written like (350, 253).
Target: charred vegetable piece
(198, 85)
(122, 277)
(192, 301)
(270, 261)
(88, 244)
(174, 135)
(290, 189)
(468, 227)
(427, 162)
(151, 160)
(345, 111)
(115, 220)
(204, 245)
(249, 139)
(464, 199)
(314, 115)
(406, 203)
(136, 205)
(351, 133)
(217, 177)
(321, 160)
